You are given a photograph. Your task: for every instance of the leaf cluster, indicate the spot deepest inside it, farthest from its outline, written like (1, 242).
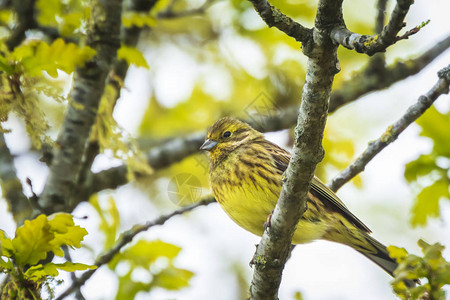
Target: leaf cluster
(432, 169)
(24, 256)
(155, 259)
(69, 18)
(112, 138)
(27, 77)
(431, 268)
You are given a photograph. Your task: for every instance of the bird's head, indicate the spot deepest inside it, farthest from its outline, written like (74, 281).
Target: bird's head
(226, 135)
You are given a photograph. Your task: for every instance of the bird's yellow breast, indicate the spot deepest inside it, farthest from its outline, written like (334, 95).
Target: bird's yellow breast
(248, 201)
(248, 206)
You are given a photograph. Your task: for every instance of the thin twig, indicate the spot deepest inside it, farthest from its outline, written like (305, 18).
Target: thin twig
(371, 44)
(126, 238)
(374, 79)
(391, 134)
(412, 31)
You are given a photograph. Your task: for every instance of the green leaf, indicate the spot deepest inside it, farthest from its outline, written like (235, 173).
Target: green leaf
(68, 17)
(128, 288)
(435, 126)
(5, 265)
(5, 66)
(397, 253)
(132, 56)
(130, 19)
(298, 296)
(427, 202)
(38, 56)
(71, 23)
(432, 266)
(109, 220)
(432, 253)
(32, 241)
(6, 247)
(112, 137)
(40, 271)
(48, 11)
(422, 166)
(173, 278)
(66, 232)
(144, 253)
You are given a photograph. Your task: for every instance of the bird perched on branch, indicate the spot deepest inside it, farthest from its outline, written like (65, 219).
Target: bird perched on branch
(246, 179)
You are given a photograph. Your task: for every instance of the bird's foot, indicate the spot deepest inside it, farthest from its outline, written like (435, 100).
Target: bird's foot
(253, 261)
(269, 219)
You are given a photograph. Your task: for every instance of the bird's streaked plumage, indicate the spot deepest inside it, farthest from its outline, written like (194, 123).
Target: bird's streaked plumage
(245, 177)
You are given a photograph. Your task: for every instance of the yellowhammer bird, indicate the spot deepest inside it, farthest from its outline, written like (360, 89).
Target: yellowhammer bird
(245, 177)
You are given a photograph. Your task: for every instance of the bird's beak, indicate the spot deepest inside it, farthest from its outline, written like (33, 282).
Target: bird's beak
(208, 145)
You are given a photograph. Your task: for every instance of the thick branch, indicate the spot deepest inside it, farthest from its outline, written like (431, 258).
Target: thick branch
(126, 238)
(371, 44)
(103, 36)
(391, 134)
(275, 18)
(11, 186)
(129, 37)
(272, 252)
(375, 79)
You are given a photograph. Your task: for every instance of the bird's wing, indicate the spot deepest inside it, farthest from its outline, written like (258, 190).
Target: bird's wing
(329, 197)
(281, 158)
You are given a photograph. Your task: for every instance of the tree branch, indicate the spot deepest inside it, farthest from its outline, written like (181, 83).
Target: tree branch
(272, 252)
(377, 63)
(371, 44)
(129, 37)
(374, 79)
(126, 238)
(12, 188)
(169, 13)
(103, 36)
(391, 134)
(275, 18)
(379, 19)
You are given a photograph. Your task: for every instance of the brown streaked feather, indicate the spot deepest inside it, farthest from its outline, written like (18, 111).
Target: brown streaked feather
(281, 159)
(324, 193)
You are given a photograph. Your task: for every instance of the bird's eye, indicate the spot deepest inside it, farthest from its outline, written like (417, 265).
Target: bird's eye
(226, 134)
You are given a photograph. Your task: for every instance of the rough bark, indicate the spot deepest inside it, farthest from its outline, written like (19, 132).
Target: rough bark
(103, 36)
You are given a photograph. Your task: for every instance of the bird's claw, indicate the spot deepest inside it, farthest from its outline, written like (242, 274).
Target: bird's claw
(268, 221)
(253, 261)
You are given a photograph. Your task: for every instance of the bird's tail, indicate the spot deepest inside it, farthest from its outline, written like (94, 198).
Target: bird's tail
(381, 257)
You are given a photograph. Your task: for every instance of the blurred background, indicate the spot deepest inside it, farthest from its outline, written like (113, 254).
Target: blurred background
(223, 60)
